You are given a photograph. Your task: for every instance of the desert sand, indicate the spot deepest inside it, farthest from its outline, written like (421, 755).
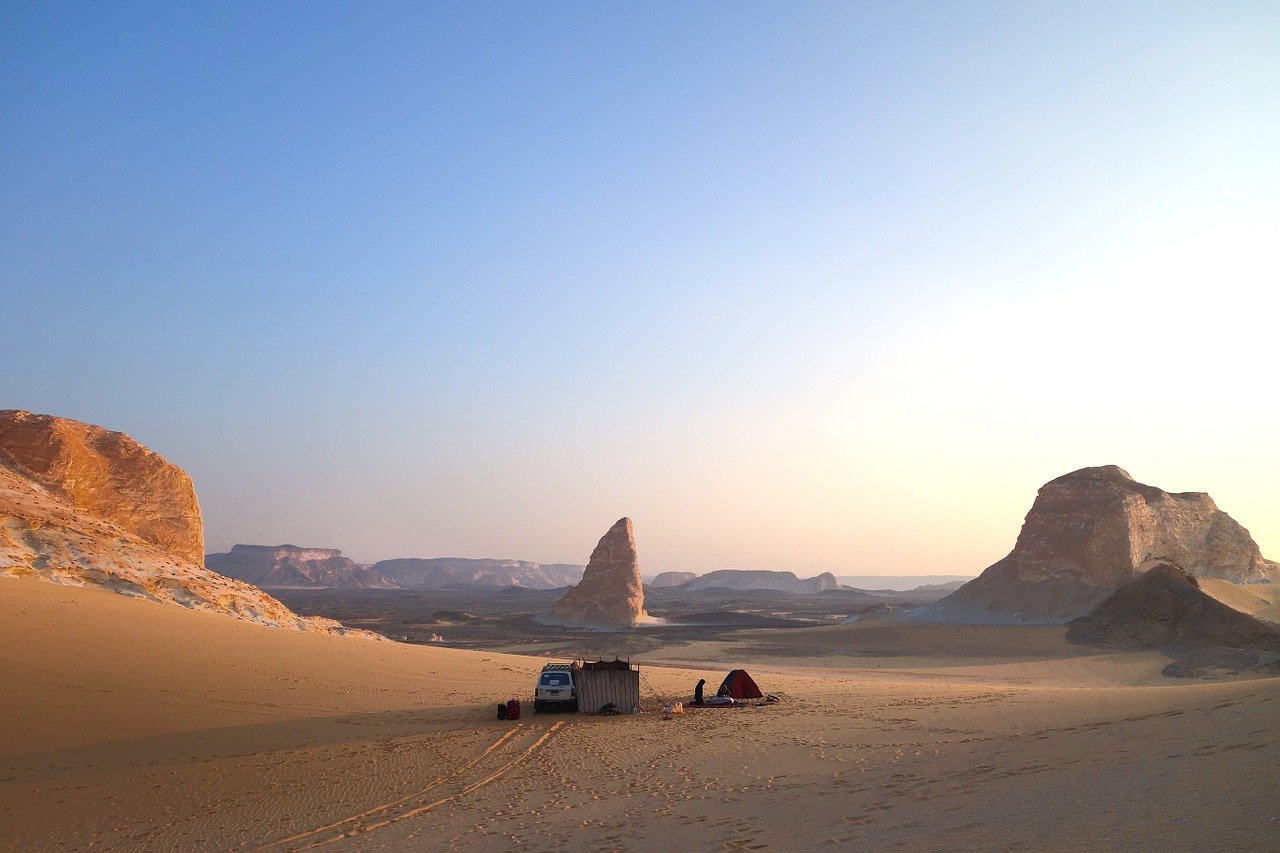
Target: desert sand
(132, 724)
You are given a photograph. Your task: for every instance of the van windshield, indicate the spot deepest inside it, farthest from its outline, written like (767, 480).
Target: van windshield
(555, 679)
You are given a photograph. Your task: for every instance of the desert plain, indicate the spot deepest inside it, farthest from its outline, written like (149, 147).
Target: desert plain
(132, 724)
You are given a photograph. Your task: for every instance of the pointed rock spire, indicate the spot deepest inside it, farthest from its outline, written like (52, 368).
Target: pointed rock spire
(610, 593)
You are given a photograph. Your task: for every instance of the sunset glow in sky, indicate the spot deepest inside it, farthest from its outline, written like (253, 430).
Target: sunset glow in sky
(818, 287)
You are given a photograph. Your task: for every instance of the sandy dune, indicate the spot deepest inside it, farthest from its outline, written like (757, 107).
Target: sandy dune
(1256, 599)
(135, 725)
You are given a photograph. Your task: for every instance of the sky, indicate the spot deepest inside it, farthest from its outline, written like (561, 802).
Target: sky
(798, 286)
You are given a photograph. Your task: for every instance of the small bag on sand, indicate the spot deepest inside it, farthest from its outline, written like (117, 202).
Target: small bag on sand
(502, 710)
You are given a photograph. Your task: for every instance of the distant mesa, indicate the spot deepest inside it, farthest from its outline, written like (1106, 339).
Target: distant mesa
(291, 567)
(1165, 606)
(745, 579)
(1092, 531)
(949, 586)
(84, 506)
(465, 573)
(904, 583)
(610, 593)
(739, 580)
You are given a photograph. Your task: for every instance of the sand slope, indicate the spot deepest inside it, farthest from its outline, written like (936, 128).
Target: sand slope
(130, 725)
(1166, 606)
(1257, 599)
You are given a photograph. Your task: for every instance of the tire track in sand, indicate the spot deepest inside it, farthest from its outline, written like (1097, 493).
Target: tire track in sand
(411, 804)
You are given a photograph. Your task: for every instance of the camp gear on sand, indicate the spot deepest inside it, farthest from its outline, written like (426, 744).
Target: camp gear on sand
(502, 710)
(739, 685)
(609, 709)
(615, 682)
(719, 702)
(513, 709)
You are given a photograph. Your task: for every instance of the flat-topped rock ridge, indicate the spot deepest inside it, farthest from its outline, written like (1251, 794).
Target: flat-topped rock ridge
(742, 579)
(291, 567)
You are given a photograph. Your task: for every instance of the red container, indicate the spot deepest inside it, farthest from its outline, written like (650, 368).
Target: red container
(513, 709)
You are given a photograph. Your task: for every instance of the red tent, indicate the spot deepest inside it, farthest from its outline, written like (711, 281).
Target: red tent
(739, 685)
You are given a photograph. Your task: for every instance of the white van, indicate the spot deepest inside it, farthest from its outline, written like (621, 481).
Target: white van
(556, 688)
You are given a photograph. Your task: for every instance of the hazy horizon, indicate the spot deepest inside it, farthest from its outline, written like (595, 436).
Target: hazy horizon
(798, 287)
(646, 573)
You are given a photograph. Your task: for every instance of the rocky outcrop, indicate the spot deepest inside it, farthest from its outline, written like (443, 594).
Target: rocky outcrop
(1088, 533)
(465, 573)
(69, 519)
(110, 476)
(668, 579)
(610, 593)
(291, 567)
(1165, 606)
(740, 579)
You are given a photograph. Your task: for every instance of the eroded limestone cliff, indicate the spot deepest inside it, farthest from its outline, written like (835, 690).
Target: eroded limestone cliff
(76, 509)
(110, 476)
(1091, 531)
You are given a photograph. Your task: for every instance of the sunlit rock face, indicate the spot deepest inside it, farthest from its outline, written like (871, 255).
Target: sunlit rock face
(291, 567)
(610, 593)
(1088, 533)
(83, 506)
(110, 476)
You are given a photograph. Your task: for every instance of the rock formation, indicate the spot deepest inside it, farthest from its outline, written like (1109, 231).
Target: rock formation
(465, 573)
(1088, 533)
(741, 579)
(110, 476)
(610, 593)
(77, 508)
(668, 579)
(1165, 606)
(291, 567)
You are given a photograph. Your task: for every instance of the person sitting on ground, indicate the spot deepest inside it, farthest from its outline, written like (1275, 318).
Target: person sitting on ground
(697, 692)
(724, 689)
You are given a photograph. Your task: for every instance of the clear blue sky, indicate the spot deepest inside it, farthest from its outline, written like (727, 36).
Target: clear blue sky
(799, 286)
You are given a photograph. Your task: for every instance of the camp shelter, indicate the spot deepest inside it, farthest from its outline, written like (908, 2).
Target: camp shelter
(600, 683)
(739, 685)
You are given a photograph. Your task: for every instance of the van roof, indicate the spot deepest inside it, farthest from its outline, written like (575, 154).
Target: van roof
(557, 667)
